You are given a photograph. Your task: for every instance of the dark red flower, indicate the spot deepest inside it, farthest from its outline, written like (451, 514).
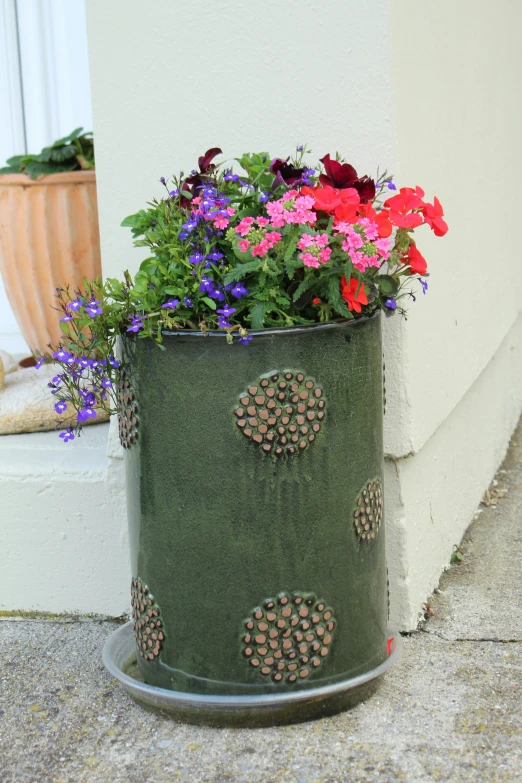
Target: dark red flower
(285, 172)
(206, 167)
(342, 175)
(205, 160)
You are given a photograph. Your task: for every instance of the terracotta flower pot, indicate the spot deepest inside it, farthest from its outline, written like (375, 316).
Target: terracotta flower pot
(49, 236)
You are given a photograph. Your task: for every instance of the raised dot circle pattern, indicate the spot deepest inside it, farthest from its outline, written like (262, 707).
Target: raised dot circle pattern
(128, 421)
(282, 412)
(147, 622)
(367, 516)
(288, 638)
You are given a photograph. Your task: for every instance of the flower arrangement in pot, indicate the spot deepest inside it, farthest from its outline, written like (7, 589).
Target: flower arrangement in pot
(48, 230)
(253, 438)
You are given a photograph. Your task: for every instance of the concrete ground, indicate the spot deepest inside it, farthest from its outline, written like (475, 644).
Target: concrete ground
(449, 711)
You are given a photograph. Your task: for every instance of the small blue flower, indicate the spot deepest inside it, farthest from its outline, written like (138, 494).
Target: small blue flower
(114, 362)
(86, 413)
(214, 256)
(136, 324)
(244, 339)
(170, 304)
(229, 177)
(66, 318)
(424, 284)
(62, 356)
(93, 308)
(239, 290)
(226, 311)
(263, 197)
(391, 304)
(196, 258)
(40, 361)
(106, 383)
(390, 184)
(67, 434)
(75, 305)
(60, 406)
(162, 180)
(187, 301)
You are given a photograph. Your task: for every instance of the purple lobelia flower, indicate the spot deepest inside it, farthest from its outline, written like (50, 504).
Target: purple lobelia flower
(62, 356)
(391, 304)
(106, 383)
(66, 318)
(424, 284)
(162, 180)
(60, 406)
(75, 305)
(40, 361)
(244, 339)
(263, 197)
(239, 290)
(86, 413)
(187, 301)
(67, 435)
(136, 323)
(390, 184)
(196, 258)
(214, 256)
(170, 304)
(93, 308)
(114, 362)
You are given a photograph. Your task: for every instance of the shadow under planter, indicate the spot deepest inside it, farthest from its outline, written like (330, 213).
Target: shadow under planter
(255, 498)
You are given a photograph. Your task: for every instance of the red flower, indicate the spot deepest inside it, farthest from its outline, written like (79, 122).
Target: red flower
(326, 199)
(382, 219)
(401, 206)
(342, 175)
(433, 217)
(350, 294)
(346, 213)
(416, 261)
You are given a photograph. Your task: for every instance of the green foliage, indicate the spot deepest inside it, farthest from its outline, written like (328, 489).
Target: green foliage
(73, 152)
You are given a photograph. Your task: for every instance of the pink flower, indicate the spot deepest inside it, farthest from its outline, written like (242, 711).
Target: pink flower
(261, 249)
(306, 240)
(221, 222)
(262, 221)
(244, 226)
(230, 211)
(243, 245)
(273, 237)
(325, 254)
(309, 260)
(383, 246)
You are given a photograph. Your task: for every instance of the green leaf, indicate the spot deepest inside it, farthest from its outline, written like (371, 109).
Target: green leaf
(16, 162)
(240, 271)
(209, 302)
(290, 250)
(258, 314)
(133, 221)
(63, 153)
(387, 284)
(335, 298)
(304, 285)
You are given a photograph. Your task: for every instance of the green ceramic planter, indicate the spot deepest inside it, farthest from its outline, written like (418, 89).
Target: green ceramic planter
(254, 488)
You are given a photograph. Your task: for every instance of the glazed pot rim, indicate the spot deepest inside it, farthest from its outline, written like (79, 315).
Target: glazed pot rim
(341, 322)
(60, 178)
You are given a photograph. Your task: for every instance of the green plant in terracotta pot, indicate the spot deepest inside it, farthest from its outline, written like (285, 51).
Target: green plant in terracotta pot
(253, 435)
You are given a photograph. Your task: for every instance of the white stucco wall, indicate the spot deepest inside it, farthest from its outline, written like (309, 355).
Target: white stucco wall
(427, 92)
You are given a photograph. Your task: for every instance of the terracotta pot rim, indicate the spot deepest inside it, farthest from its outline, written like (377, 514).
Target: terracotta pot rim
(62, 178)
(339, 323)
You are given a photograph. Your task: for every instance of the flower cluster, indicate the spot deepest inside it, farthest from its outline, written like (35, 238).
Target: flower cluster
(281, 243)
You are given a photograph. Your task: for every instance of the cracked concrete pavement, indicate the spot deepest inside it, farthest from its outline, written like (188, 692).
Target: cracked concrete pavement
(449, 711)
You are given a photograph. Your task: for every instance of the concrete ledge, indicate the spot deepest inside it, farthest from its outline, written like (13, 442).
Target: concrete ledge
(432, 496)
(64, 528)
